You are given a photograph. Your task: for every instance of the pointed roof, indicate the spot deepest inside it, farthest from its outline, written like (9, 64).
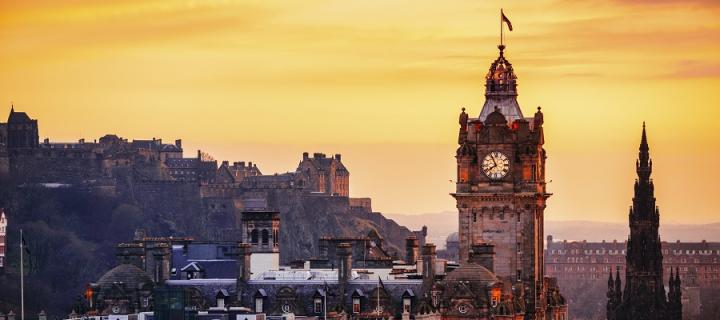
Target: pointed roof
(18, 117)
(644, 164)
(501, 90)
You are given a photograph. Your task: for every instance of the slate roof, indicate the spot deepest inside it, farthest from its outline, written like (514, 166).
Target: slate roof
(471, 272)
(210, 257)
(181, 162)
(304, 291)
(18, 117)
(169, 148)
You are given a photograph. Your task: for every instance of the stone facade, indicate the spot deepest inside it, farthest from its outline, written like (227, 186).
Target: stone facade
(697, 262)
(321, 174)
(500, 186)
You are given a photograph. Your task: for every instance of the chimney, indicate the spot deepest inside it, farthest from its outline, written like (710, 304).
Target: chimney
(178, 143)
(344, 262)
(549, 239)
(226, 163)
(243, 262)
(162, 263)
(411, 250)
(305, 155)
(428, 259)
(338, 157)
(483, 254)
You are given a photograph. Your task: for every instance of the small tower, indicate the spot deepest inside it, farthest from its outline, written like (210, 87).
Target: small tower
(22, 131)
(261, 230)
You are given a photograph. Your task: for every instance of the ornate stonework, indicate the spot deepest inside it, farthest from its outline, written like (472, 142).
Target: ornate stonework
(500, 190)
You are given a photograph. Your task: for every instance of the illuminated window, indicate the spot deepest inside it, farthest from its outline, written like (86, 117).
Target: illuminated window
(356, 305)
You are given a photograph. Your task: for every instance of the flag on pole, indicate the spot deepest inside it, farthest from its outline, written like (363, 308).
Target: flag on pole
(506, 20)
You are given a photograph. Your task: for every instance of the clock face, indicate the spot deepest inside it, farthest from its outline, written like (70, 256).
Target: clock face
(463, 308)
(496, 165)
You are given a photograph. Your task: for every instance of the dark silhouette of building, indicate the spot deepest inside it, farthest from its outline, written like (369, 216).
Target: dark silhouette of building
(644, 295)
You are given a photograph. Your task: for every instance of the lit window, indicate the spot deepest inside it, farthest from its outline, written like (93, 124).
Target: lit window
(406, 305)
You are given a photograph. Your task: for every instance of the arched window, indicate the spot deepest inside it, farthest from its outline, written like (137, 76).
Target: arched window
(265, 236)
(254, 236)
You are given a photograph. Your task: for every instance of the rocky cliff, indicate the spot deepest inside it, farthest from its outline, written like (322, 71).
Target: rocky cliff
(72, 231)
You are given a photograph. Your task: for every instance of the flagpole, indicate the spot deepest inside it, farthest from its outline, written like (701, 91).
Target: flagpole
(22, 278)
(501, 27)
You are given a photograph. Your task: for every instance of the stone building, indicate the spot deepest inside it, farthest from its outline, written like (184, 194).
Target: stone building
(644, 294)
(141, 266)
(697, 262)
(261, 230)
(320, 174)
(501, 188)
(221, 276)
(3, 232)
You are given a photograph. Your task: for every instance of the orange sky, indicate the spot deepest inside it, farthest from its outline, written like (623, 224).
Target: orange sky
(382, 82)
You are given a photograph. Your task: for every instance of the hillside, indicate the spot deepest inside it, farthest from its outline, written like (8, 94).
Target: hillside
(71, 233)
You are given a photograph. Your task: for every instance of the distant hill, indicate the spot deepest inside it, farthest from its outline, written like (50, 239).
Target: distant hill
(441, 224)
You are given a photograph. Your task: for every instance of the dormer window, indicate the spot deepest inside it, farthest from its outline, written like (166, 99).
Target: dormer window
(318, 305)
(356, 305)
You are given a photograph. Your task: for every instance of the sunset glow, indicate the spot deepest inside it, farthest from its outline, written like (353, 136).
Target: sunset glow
(382, 82)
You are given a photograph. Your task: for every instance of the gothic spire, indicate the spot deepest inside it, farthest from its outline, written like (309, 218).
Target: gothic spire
(644, 164)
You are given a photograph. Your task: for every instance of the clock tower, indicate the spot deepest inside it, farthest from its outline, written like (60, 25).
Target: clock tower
(500, 186)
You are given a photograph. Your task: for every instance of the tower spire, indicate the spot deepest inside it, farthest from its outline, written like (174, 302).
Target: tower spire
(644, 164)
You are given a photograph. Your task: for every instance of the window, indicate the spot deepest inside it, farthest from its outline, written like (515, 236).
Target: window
(318, 305)
(265, 236)
(356, 305)
(258, 305)
(406, 305)
(254, 236)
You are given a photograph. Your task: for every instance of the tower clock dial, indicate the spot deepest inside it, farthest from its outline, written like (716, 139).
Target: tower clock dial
(496, 165)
